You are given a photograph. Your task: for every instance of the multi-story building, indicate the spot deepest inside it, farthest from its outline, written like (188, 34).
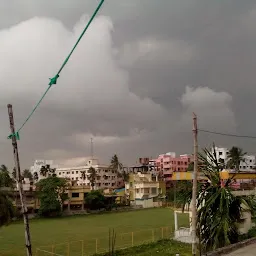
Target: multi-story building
(169, 163)
(38, 165)
(106, 177)
(144, 189)
(247, 164)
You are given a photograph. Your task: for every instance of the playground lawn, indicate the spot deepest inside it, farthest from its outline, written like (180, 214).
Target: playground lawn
(46, 232)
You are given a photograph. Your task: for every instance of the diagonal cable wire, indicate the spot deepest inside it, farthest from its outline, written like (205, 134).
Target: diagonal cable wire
(54, 79)
(228, 134)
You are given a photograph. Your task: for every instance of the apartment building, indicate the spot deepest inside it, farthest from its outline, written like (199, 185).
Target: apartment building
(106, 177)
(145, 190)
(168, 163)
(247, 165)
(38, 165)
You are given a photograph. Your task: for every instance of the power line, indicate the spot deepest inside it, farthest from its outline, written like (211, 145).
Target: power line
(54, 79)
(228, 134)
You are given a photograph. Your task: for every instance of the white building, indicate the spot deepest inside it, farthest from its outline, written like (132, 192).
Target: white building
(38, 165)
(106, 177)
(247, 165)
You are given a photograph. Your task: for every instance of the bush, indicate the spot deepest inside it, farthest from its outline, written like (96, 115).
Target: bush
(252, 232)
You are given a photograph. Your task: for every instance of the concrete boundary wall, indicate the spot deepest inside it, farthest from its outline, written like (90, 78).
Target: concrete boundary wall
(232, 247)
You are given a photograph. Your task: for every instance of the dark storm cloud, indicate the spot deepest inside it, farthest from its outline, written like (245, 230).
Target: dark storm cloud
(147, 52)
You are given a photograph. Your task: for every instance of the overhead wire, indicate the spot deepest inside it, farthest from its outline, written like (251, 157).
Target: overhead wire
(54, 79)
(227, 134)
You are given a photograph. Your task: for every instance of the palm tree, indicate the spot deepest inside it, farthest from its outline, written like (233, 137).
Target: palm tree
(27, 174)
(115, 164)
(92, 177)
(219, 210)
(83, 177)
(235, 156)
(35, 176)
(47, 170)
(44, 171)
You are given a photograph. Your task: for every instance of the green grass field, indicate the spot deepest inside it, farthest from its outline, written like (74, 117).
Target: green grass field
(85, 234)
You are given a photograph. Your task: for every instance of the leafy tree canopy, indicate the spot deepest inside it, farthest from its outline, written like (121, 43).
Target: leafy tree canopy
(52, 194)
(95, 200)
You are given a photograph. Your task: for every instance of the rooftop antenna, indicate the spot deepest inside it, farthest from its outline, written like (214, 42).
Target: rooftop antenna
(91, 147)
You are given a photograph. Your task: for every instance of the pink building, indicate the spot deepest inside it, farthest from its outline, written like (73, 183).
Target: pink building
(169, 163)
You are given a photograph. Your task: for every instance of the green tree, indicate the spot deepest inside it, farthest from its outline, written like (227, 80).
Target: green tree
(219, 210)
(235, 156)
(6, 207)
(92, 176)
(95, 200)
(52, 194)
(5, 179)
(27, 174)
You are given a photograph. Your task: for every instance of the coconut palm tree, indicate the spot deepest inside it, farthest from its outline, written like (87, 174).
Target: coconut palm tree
(27, 174)
(92, 176)
(35, 176)
(235, 156)
(44, 171)
(117, 166)
(83, 177)
(47, 170)
(219, 210)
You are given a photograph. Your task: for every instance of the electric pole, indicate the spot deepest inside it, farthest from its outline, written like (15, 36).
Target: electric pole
(19, 181)
(194, 191)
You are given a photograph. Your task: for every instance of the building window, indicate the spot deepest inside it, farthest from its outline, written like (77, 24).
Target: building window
(76, 172)
(72, 178)
(67, 172)
(146, 190)
(113, 184)
(185, 163)
(72, 172)
(250, 160)
(220, 153)
(59, 173)
(137, 190)
(76, 178)
(153, 190)
(75, 194)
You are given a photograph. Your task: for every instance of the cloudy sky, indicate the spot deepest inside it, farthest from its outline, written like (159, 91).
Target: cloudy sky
(133, 82)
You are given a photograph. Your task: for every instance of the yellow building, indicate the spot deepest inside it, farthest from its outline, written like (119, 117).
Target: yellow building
(145, 190)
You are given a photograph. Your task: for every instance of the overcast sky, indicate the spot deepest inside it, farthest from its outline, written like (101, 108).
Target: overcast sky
(132, 84)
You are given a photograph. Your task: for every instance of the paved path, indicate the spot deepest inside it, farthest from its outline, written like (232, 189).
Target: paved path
(249, 250)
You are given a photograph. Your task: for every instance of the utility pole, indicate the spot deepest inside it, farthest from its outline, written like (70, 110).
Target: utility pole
(19, 181)
(194, 191)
